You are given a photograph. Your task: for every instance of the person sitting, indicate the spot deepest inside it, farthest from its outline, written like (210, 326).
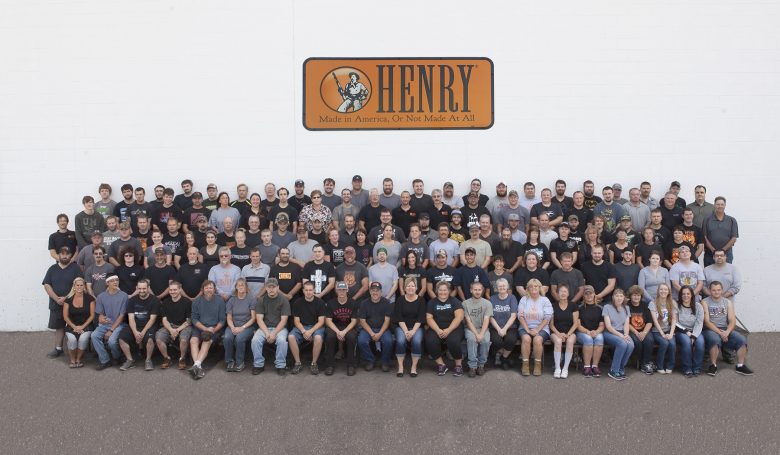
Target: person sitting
(690, 343)
(374, 315)
(273, 311)
(590, 333)
(340, 322)
(534, 312)
(664, 313)
(240, 310)
(78, 311)
(142, 310)
(409, 317)
(308, 324)
(175, 312)
(111, 308)
(563, 325)
(444, 316)
(616, 320)
(503, 323)
(641, 324)
(720, 321)
(208, 322)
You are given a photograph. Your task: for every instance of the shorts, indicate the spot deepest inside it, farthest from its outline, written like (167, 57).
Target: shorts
(56, 319)
(299, 335)
(126, 335)
(164, 336)
(586, 340)
(545, 336)
(207, 336)
(734, 343)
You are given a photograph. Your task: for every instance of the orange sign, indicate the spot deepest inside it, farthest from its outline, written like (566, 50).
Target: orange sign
(397, 93)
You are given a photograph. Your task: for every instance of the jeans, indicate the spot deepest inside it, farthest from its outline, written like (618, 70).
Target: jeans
(237, 344)
(646, 347)
(586, 340)
(113, 342)
(623, 350)
(364, 344)
(415, 342)
(691, 354)
(259, 340)
(477, 352)
(666, 352)
(734, 343)
(331, 341)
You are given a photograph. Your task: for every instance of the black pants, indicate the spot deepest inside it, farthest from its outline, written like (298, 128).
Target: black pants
(331, 341)
(433, 344)
(507, 342)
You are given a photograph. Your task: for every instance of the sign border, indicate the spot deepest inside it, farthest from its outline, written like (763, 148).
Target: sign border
(472, 128)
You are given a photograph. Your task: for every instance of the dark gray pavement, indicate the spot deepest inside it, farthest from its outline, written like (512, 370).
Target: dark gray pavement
(48, 408)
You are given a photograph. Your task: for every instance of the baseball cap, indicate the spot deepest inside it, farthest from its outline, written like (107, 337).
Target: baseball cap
(473, 194)
(513, 217)
(448, 185)
(625, 218)
(617, 186)
(282, 218)
(381, 249)
(423, 216)
(501, 182)
(197, 195)
(349, 249)
(211, 185)
(64, 249)
(94, 233)
(573, 217)
(301, 228)
(473, 226)
(588, 289)
(112, 276)
(201, 218)
(675, 184)
(341, 285)
(441, 252)
(299, 182)
(375, 285)
(357, 178)
(513, 193)
(271, 282)
(456, 212)
(470, 250)
(564, 224)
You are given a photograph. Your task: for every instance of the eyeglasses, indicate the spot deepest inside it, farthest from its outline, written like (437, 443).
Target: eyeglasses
(316, 197)
(97, 254)
(129, 255)
(224, 255)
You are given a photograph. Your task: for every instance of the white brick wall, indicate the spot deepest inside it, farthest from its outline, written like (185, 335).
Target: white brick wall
(155, 91)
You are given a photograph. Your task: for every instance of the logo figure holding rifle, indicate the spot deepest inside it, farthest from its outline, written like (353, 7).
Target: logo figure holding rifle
(353, 94)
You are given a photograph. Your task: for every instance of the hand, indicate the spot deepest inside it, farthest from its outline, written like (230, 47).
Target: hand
(669, 336)
(592, 334)
(479, 338)
(60, 301)
(307, 335)
(375, 337)
(442, 334)
(408, 335)
(270, 336)
(627, 338)
(532, 332)
(174, 334)
(724, 336)
(341, 334)
(138, 337)
(108, 334)
(236, 330)
(641, 336)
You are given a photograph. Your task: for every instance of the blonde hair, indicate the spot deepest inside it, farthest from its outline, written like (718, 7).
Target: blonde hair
(73, 287)
(668, 302)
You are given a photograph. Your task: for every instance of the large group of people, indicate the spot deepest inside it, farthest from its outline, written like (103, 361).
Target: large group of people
(373, 276)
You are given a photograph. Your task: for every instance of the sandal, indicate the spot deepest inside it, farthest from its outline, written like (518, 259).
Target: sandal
(72, 365)
(79, 364)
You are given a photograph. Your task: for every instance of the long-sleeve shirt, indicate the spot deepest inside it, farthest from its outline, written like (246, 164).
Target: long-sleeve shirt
(728, 275)
(209, 312)
(687, 320)
(535, 311)
(649, 281)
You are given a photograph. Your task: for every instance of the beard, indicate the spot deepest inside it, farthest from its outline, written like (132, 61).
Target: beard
(505, 244)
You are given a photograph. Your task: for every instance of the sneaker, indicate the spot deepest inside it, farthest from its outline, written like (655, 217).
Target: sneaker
(480, 370)
(166, 363)
(127, 365)
(614, 375)
(385, 368)
(557, 373)
(280, 371)
(497, 362)
(103, 366)
(647, 369)
(696, 373)
(662, 371)
(201, 373)
(148, 365)
(688, 374)
(596, 371)
(296, 368)
(258, 370)
(441, 370)
(458, 371)
(587, 372)
(231, 366)
(369, 366)
(194, 371)
(472, 372)
(182, 364)
(239, 367)
(329, 371)
(350, 370)
(564, 374)
(537, 367)
(54, 353)
(314, 369)
(712, 370)
(525, 370)
(744, 370)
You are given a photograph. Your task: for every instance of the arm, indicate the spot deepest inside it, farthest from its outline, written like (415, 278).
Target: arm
(458, 320)
(607, 290)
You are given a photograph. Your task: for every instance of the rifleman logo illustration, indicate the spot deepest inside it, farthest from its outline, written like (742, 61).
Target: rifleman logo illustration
(397, 93)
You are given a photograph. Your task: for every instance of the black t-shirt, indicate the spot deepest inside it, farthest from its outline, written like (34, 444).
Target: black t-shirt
(120, 210)
(671, 218)
(640, 316)
(591, 202)
(598, 275)
(135, 209)
(176, 312)
(441, 215)
(308, 312)
(319, 237)
(290, 211)
(523, 276)
(240, 256)
(483, 200)
(590, 316)
(142, 310)
(319, 274)
(159, 277)
(261, 214)
(223, 239)
(559, 246)
(553, 211)
(443, 313)
(242, 206)
(693, 235)
(423, 204)
(626, 275)
(617, 251)
(377, 233)
(209, 259)
(80, 315)
(253, 239)
(409, 312)
(200, 239)
(510, 254)
(299, 203)
(341, 314)
(564, 319)
(145, 239)
(375, 313)
(644, 250)
(335, 252)
(363, 253)
(176, 244)
(436, 274)
(541, 250)
(584, 214)
(161, 215)
(471, 216)
(672, 251)
(129, 277)
(404, 218)
(370, 216)
(59, 239)
(405, 272)
(192, 277)
(662, 235)
(288, 276)
(183, 201)
(565, 204)
(191, 215)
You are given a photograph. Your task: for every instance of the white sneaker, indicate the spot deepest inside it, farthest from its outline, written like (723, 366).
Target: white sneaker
(557, 374)
(564, 374)
(668, 371)
(664, 371)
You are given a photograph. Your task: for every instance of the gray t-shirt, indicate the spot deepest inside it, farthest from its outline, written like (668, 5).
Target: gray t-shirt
(391, 201)
(617, 318)
(728, 275)
(106, 209)
(359, 200)
(96, 276)
(241, 309)
(268, 253)
(111, 305)
(482, 248)
(282, 240)
(341, 211)
(663, 317)
(685, 275)
(393, 252)
(352, 275)
(718, 311)
(255, 277)
(387, 275)
(719, 232)
(302, 252)
(273, 309)
(649, 281)
(476, 310)
(109, 237)
(573, 279)
(331, 201)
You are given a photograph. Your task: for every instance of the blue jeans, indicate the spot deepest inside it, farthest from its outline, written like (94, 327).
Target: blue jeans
(734, 343)
(258, 341)
(691, 354)
(477, 352)
(585, 340)
(416, 342)
(667, 350)
(113, 342)
(364, 344)
(237, 344)
(623, 350)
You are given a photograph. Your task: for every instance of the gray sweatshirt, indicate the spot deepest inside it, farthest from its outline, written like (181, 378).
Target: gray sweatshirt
(687, 320)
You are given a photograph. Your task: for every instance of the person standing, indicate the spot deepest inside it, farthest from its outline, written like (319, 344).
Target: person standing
(478, 312)
(720, 233)
(57, 283)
